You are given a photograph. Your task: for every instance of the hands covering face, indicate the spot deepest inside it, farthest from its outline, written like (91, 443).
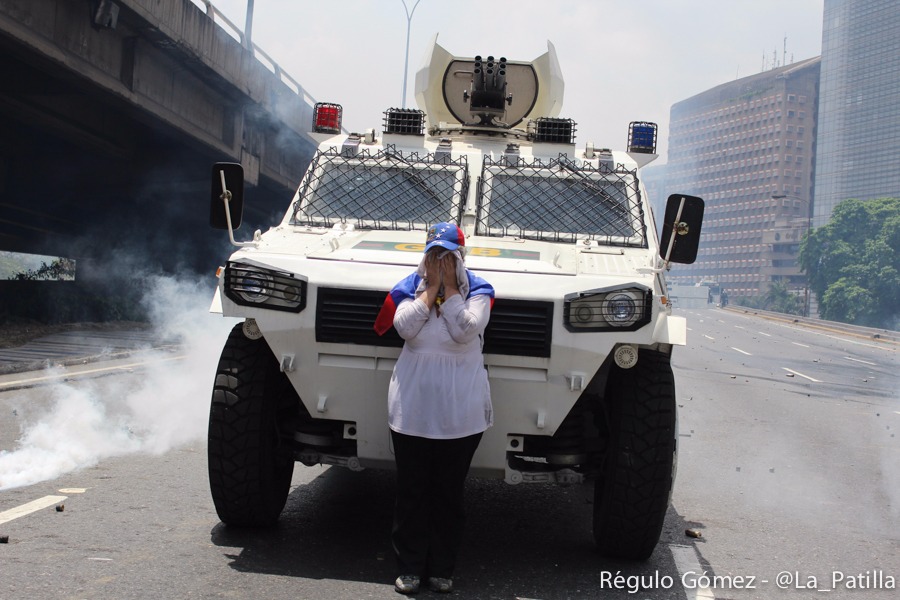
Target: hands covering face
(441, 271)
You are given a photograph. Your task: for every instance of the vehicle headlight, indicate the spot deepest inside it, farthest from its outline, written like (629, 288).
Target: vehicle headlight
(249, 285)
(253, 287)
(621, 309)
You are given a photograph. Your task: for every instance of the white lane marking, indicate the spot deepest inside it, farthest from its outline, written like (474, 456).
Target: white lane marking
(741, 351)
(739, 327)
(801, 375)
(764, 333)
(708, 337)
(846, 339)
(71, 374)
(799, 344)
(686, 561)
(72, 490)
(26, 509)
(865, 362)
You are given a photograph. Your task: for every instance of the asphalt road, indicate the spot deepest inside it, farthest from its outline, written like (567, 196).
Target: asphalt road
(789, 457)
(789, 464)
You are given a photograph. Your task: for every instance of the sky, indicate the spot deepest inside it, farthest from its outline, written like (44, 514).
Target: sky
(622, 61)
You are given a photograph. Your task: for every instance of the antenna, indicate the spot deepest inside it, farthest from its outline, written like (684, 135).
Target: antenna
(784, 52)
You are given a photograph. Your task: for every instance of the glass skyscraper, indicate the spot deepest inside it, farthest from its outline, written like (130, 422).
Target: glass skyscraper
(746, 148)
(858, 137)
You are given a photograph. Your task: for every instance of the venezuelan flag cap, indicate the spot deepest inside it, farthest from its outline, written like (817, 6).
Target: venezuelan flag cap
(445, 235)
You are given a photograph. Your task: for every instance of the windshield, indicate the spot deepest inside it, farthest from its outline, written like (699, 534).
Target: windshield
(383, 191)
(562, 202)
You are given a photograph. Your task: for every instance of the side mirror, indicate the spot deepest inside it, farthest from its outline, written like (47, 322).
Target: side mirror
(227, 182)
(680, 237)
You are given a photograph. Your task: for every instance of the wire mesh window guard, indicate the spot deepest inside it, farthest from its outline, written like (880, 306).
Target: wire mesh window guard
(560, 201)
(386, 190)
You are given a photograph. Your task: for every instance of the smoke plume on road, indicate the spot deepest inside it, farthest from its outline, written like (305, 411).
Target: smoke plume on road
(166, 404)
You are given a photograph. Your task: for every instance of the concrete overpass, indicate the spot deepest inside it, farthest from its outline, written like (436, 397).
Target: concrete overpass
(111, 115)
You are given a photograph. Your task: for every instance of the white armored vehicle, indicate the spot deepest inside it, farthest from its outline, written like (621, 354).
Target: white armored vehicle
(581, 333)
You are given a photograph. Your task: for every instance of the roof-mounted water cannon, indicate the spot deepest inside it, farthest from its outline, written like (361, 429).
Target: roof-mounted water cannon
(488, 97)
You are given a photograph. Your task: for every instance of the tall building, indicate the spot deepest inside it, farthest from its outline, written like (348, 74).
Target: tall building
(746, 148)
(858, 147)
(654, 178)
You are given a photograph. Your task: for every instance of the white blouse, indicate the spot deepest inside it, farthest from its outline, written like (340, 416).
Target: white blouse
(439, 388)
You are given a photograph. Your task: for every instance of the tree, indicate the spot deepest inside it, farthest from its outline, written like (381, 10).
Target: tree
(853, 263)
(61, 269)
(778, 298)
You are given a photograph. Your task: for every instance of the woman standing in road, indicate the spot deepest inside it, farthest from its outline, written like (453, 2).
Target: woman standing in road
(438, 403)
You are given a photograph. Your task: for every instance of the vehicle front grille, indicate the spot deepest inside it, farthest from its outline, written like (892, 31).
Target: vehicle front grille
(516, 328)
(519, 328)
(348, 317)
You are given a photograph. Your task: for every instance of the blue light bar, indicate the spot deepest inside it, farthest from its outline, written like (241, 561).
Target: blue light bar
(642, 137)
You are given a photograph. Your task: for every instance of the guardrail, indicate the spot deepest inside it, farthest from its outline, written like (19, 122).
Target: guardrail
(234, 31)
(883, 335)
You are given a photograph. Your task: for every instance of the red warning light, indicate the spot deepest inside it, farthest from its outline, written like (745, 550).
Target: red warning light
(327, 117)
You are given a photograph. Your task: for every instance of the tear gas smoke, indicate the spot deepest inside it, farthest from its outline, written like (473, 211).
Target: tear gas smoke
(164, 406)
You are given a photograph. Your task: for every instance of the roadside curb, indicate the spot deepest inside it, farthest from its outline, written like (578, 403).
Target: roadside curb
(870, 333)
(49, 363)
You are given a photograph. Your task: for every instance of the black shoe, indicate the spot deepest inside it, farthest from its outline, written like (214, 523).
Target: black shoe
(407, 584)
(441, 585)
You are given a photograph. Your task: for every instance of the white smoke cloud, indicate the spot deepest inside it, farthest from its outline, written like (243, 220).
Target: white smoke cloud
(165, 406)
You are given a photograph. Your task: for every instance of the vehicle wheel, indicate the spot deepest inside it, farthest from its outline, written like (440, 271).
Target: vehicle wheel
(249, 468)
(632, 495)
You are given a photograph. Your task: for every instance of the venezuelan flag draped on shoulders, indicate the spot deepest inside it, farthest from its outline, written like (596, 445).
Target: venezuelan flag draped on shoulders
(407, 289)
(446, 237)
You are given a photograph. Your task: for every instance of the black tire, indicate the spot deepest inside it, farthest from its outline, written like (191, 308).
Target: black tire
(632, 495)
(249, 468)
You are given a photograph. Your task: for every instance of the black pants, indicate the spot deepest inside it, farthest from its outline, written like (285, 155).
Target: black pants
(429, 514)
